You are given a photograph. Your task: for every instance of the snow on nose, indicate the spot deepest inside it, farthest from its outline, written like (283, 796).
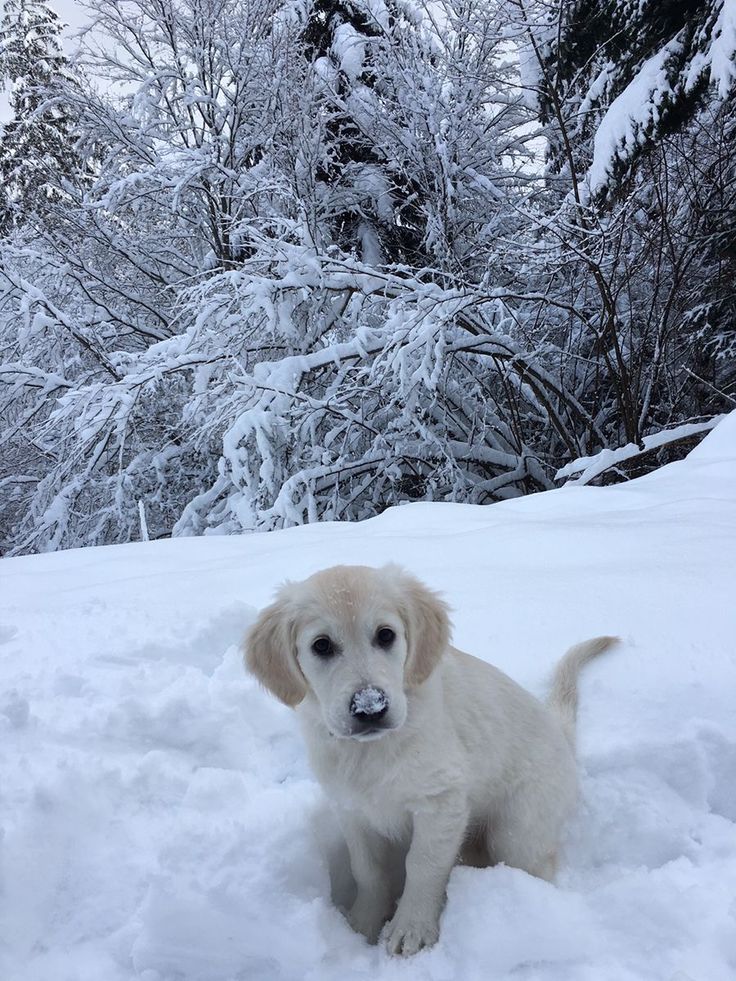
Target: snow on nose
(369, 703)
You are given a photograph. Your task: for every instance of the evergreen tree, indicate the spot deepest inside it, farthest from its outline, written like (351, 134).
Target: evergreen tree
(617, 75)
(35, 151)
(347, 41)
(637, 100)
(414, 104)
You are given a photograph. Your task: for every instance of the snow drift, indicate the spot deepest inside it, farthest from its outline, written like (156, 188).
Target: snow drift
(157, 816)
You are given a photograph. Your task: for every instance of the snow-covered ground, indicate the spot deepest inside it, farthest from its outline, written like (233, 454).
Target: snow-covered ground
(157, 817)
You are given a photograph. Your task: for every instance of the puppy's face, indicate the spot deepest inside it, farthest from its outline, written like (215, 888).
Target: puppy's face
(358, 639)
(352, 647)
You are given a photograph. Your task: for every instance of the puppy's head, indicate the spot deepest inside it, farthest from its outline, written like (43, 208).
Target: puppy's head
(354, 638)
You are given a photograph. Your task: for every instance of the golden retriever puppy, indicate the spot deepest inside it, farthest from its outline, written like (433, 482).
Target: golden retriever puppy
(430, 755)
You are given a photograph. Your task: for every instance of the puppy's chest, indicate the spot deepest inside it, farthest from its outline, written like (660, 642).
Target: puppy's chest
(373, 788)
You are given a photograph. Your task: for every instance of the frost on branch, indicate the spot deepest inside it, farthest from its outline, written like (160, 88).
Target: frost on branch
(395, 390)
(399, 395)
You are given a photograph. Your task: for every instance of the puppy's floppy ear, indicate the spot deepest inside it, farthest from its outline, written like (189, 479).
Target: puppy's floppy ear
(427, 625)
(271, 656)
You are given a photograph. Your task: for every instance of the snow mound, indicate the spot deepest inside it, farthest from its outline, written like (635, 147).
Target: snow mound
(157, 816)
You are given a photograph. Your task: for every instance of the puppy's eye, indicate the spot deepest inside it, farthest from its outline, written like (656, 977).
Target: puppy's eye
(323, 647)
(385, 637)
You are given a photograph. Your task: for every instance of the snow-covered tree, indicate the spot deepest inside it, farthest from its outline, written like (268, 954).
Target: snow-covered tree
(36, 148)
(614, 76)
(636, 100)
(230, 357)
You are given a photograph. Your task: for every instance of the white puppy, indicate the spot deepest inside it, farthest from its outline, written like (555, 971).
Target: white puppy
(430, 754)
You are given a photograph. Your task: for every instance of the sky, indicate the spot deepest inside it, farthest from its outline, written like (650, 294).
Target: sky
(70, 11)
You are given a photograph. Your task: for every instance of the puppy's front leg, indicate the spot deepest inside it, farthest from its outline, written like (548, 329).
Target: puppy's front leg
(438, 832)
(368, 853)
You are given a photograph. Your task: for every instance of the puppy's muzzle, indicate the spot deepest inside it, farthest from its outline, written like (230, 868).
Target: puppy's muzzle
(368, 707)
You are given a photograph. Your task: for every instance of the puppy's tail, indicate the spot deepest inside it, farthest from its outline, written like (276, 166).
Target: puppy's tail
(563, 696)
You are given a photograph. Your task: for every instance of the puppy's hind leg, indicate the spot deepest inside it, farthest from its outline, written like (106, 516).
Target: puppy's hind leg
(527, 833)
(518, 848)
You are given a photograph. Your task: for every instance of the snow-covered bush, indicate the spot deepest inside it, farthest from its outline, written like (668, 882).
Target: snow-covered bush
(278, 298)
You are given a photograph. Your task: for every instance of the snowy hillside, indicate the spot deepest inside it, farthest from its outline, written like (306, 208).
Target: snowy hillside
(157, 817)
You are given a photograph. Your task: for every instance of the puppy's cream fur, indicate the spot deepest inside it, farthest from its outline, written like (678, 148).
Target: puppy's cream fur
(464, 765)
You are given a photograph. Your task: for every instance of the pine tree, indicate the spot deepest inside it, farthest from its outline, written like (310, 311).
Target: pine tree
(618, 75)
(35, 150)
(410, 109)
(345, 40)
(637, 97)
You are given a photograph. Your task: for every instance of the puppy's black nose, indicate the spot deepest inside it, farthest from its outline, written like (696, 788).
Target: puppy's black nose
(369, 704)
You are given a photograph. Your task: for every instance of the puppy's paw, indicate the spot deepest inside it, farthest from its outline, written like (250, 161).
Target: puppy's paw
(407, 934)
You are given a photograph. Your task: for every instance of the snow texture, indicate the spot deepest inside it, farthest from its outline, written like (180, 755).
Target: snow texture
(159, 820)
(349, 48)
(629, 116)
(369, 701)
(723, 49)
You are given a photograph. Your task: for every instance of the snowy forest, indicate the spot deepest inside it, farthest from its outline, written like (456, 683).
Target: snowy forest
(265, 262)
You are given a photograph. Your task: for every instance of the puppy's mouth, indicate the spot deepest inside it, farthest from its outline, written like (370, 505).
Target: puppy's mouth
(370, 733)
(366, 734)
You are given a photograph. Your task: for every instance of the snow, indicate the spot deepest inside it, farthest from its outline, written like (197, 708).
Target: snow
(590, 467)
(638, 107)
(369, 701)
(630, 114)
(723, 49)
(348, 46)
(158, 818)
